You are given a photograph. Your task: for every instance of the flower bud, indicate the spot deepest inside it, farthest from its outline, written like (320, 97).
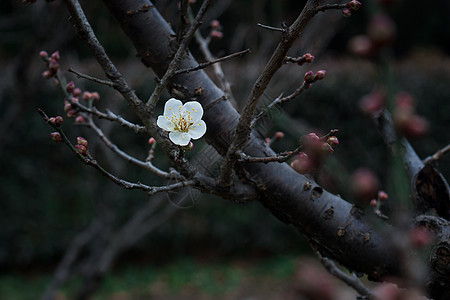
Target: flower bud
(59, 120)
(373, 202)
(43, 54)
(188, 147)
(268, 140)
(70, 87)
(327, 148)
(86, 96)
(346, 12)
(47, 74)
(95, 96)
(279, 135)
(320, 75)
(53, 65)
(354, 5)
(67, 106)
(415, 127)
(79, 120)
(309, 77)
(372, 102)
(215, 24)
(307, 57)
(364, 184)
(52, 120)
(72, 113)
(216, 34)
(76, 92)
(302, 164)
(151, 141)
(310, 138)
(81, 149)
(55, 55)
(333, 141)
(360, 45)
(420, 237)
(82, 141)
(382, 196)
(382, 29)
(56, 136)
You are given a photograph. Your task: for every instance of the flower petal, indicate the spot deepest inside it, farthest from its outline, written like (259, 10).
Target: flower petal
(173, 107)
(179, 138)
(194, 109)
(165, 123)
(197, 130)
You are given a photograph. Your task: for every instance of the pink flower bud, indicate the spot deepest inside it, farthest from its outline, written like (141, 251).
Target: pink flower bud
(79, 120)
(320, 75)
(279, 135)
(327, 148)
(333, 141)
(74, 99)
(81, 149)
(373, 202)
(76, 92)
(268, 140)
(360, 45)
(346, 12)
(188, 147)
(95, 96)
(43, 54)
(307, 57)
(372, 102)
(72, 113)
(382, 29)
(82, 141)
(215, 24)
(354, 5)
(56, 136)
(47, 74)
(415, 127)
(309, 77)
(310, 138)
(215, 34)
(364, 184)
(382, 196)
(420, 237)
(302, 164)
(151, 141)
(53, 65)
(67, 106)
(52, 120)
(55, 55)
(70, 87)
(86, 96)
(59, 120)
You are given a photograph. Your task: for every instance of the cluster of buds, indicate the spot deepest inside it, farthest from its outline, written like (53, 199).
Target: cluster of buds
(57, 121)
(310, 78)
(52, 63)
(350, 7)
(216, 30)
(315, 149)
(406, 121)
(381, 32)
(82, 146)
(382, 197)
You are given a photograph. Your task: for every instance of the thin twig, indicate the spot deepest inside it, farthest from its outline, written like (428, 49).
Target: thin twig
(437, 155)
(143, 164)
(280, 157)
(332, 6)
(271, 28)
(170, 72)
(94, 79)
(211, 62)
(351, 281)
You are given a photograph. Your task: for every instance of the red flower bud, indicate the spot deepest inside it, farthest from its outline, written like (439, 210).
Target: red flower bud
(81, 149)
(279, 135)
(86, 96)
(354, 5)
(420, 237)
(320, 75)
(346, 12)
(309, 77)
(56, 136)
(95, 96)
(188, 147)
(215, 24)
(82, 141)
(79, 120)
(53, 65)
(333, 141)
(302, 164)
(307, 57)
(70, 87)
(72, 113)
(364, 184)
(327, 148)
(67, 106)
(52, 120)
(373, 202)
(59, 120)
(47, 74)
(151, 141)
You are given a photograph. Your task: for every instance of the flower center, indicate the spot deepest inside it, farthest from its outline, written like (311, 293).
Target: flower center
(183, 123)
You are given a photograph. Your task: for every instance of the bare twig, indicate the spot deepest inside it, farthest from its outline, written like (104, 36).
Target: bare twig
(280, 157)
(143, 164)
(351, 281)
(94, 79)
(170, 72)
(211, 62)
(271, 28)
(243, 128)
(332, 6)
(437, 155)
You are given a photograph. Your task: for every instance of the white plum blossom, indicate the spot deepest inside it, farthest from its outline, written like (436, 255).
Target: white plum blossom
(183, 122)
